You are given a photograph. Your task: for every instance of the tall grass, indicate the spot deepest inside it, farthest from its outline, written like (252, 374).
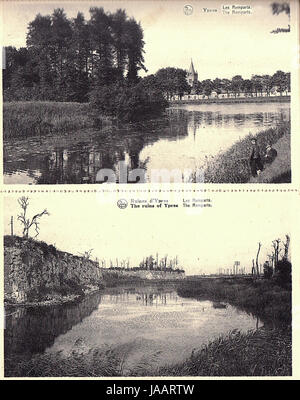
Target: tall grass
(78, 363)
(33, 118)
(256, 353)
(232, 166)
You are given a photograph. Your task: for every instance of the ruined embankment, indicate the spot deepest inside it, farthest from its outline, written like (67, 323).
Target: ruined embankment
(37, 272)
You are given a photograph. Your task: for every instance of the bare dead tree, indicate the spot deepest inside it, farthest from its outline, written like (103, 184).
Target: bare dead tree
(11, 226)
(271, 259)
(28, 223)
(86, 254)
(257, 255)
(286, 247)
(176, 261)
(253, 268)
(276, 247)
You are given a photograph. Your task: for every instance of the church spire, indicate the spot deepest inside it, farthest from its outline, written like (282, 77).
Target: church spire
(192, 75)
(192, 69)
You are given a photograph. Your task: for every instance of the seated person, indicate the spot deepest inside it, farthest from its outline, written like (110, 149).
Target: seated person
(270, 155)
(256, 164)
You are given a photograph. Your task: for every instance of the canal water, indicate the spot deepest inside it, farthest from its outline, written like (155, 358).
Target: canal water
(148, 322)
(185, 140)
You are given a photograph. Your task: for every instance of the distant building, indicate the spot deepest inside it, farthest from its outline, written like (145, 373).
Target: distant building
(192, 75)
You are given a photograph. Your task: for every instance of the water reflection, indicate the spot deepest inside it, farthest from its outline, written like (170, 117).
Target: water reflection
(31, 330)
(145, 319)
(185, 139)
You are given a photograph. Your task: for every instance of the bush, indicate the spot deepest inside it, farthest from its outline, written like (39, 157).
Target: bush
(125, 103)
(268, 271)
(283, 275)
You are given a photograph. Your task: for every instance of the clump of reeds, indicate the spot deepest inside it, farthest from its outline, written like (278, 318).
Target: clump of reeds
(37, 118)
(256, 353)
(80, 362)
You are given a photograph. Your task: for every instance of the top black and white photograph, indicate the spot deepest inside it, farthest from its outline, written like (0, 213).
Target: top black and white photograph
(148, 92)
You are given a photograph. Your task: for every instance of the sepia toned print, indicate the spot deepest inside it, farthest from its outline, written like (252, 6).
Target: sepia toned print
(145, 92)
(150, 193)
(105, 297)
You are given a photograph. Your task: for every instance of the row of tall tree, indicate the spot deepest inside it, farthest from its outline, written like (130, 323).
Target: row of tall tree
(65, 59)
(160, 263)
(257, 85)
(279, 252)
(277, 266)
(172, 81)
(149, 263)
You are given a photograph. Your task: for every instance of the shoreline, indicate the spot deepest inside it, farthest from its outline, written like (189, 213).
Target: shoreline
(237, 100)
(57, 300)
(24, 119)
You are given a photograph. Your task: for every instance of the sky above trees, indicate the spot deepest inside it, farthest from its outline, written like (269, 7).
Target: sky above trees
(203, 239)
(221, 46)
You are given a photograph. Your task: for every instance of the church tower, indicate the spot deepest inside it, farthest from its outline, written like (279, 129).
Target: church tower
(192, 75)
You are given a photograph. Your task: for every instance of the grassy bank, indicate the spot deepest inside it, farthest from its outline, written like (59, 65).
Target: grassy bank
(33, 118)
(264, 352)
(263, 298)
(258, 353)
(232, 166)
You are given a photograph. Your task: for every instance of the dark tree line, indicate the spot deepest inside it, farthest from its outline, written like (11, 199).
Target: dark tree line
(149, 263)
(172, 82)
(65, 59)
(257, 85)
(98, 60)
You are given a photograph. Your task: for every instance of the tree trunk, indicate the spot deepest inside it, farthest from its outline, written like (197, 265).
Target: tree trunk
(257, 255)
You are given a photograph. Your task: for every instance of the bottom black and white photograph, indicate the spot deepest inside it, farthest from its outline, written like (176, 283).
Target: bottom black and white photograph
(129, 288)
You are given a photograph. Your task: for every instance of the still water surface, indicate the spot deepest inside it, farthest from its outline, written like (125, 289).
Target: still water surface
(156, 324)
(185, 139)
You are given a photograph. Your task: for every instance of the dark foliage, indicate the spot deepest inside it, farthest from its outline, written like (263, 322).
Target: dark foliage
(127, 103)
(283, 274)
(65, 58)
